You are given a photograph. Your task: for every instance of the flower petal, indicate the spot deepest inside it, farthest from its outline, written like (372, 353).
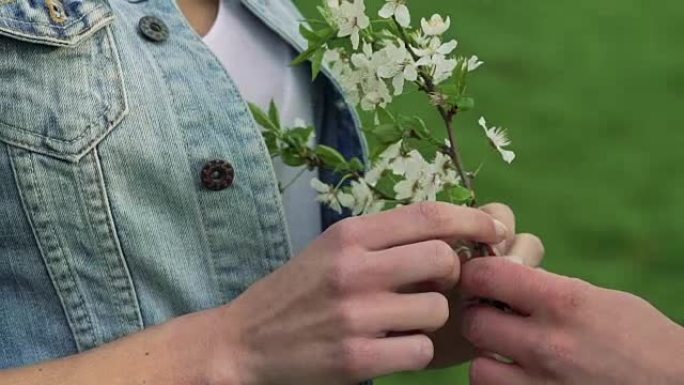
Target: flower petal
(507, 155)
(319, 186)
(388, 10)
(402, 15)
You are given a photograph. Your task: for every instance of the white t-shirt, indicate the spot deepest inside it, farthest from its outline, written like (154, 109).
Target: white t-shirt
(258, 61)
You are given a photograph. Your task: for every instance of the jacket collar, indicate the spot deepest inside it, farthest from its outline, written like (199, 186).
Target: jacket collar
(282, 16)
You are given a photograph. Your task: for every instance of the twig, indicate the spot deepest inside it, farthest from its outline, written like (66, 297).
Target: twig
(428, 86)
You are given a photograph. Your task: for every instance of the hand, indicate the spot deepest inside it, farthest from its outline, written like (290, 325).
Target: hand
(349, 308)
(450, 346)
(566, 332)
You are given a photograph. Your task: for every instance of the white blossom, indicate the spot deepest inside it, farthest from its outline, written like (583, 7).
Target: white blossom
(443, 168)
(473, 63)
(498, 139)
(374, 91)
(330, 196)
(399, 66)
(436, 26)
(351, 20)
(375, 94)
(363, 199)
(359, 79)
(417, 184)
(385, 159)
(398, 10)
(435, 47)
(443, 68)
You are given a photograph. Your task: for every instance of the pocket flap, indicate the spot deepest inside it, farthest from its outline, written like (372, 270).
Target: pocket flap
(53, 22)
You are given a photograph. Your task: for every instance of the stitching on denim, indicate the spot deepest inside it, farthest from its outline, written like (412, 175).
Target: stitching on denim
(12, 154)
(53, 41)
(76, 313)
(131, 291)
(65, 26)
(128, 294)
(79, 153)
(80, 308)
(203, 229)
(250, 136)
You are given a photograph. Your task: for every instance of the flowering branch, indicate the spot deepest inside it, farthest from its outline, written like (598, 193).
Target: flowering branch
(374, 61)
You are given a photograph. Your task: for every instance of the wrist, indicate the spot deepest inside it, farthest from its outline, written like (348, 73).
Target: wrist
(201, 351)
(224, 354)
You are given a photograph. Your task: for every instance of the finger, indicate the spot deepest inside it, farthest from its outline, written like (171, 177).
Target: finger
(383, 356)
(505, 215)
(406, 312)
(519, 286)
(487, 371)
(431, 261)
(492, 330)
(529, 248)
(421, 222)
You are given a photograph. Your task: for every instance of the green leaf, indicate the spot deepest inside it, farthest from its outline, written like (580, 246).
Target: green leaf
(325, 34)
(455, 194)
(450, 90)
(261, 118)
(420, 128)
(307, 33)
(317, 63)
(465, 103)
(387, 133)
(271, 142)
(385, 115)
(300, 134)
(331, 157)
(292, 158)
(304, 56)
(356, 165)
(273, 114)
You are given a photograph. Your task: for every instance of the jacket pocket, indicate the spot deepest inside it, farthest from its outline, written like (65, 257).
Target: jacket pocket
(61, 88)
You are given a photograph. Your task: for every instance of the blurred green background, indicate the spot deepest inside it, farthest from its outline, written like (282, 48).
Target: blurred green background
(592, 93)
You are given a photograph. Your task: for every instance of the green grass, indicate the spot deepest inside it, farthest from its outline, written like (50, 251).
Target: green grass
(591, 92)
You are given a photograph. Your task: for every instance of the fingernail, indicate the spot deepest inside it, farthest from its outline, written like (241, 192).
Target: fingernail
(502, 359)
(514, 259)
(501, 230)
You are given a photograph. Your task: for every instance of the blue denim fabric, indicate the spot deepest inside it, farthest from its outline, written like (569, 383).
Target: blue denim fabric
(105, 228)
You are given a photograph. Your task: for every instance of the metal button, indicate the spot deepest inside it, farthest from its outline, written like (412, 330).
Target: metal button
(56, 10)
(153, 28)
(217, 175)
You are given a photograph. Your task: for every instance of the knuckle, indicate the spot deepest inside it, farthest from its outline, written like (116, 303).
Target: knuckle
(473, 328)
(480, 275)
(432, 213)
(356, 357)
(569, 298)
(345, 233)
(341, 276)
(556, 352)
(423, 351)
(442, 258)
(349, 318)
(478, 371)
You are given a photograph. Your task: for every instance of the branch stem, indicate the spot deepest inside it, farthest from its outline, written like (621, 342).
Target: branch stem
(429, 87)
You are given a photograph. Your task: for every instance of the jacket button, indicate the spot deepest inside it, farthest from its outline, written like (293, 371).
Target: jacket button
(217, 175)
(153, 28)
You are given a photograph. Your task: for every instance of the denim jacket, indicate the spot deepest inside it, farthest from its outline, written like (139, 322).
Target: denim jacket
(105, 224)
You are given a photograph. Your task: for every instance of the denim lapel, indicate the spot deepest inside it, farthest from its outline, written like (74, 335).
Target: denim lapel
(281, 16)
